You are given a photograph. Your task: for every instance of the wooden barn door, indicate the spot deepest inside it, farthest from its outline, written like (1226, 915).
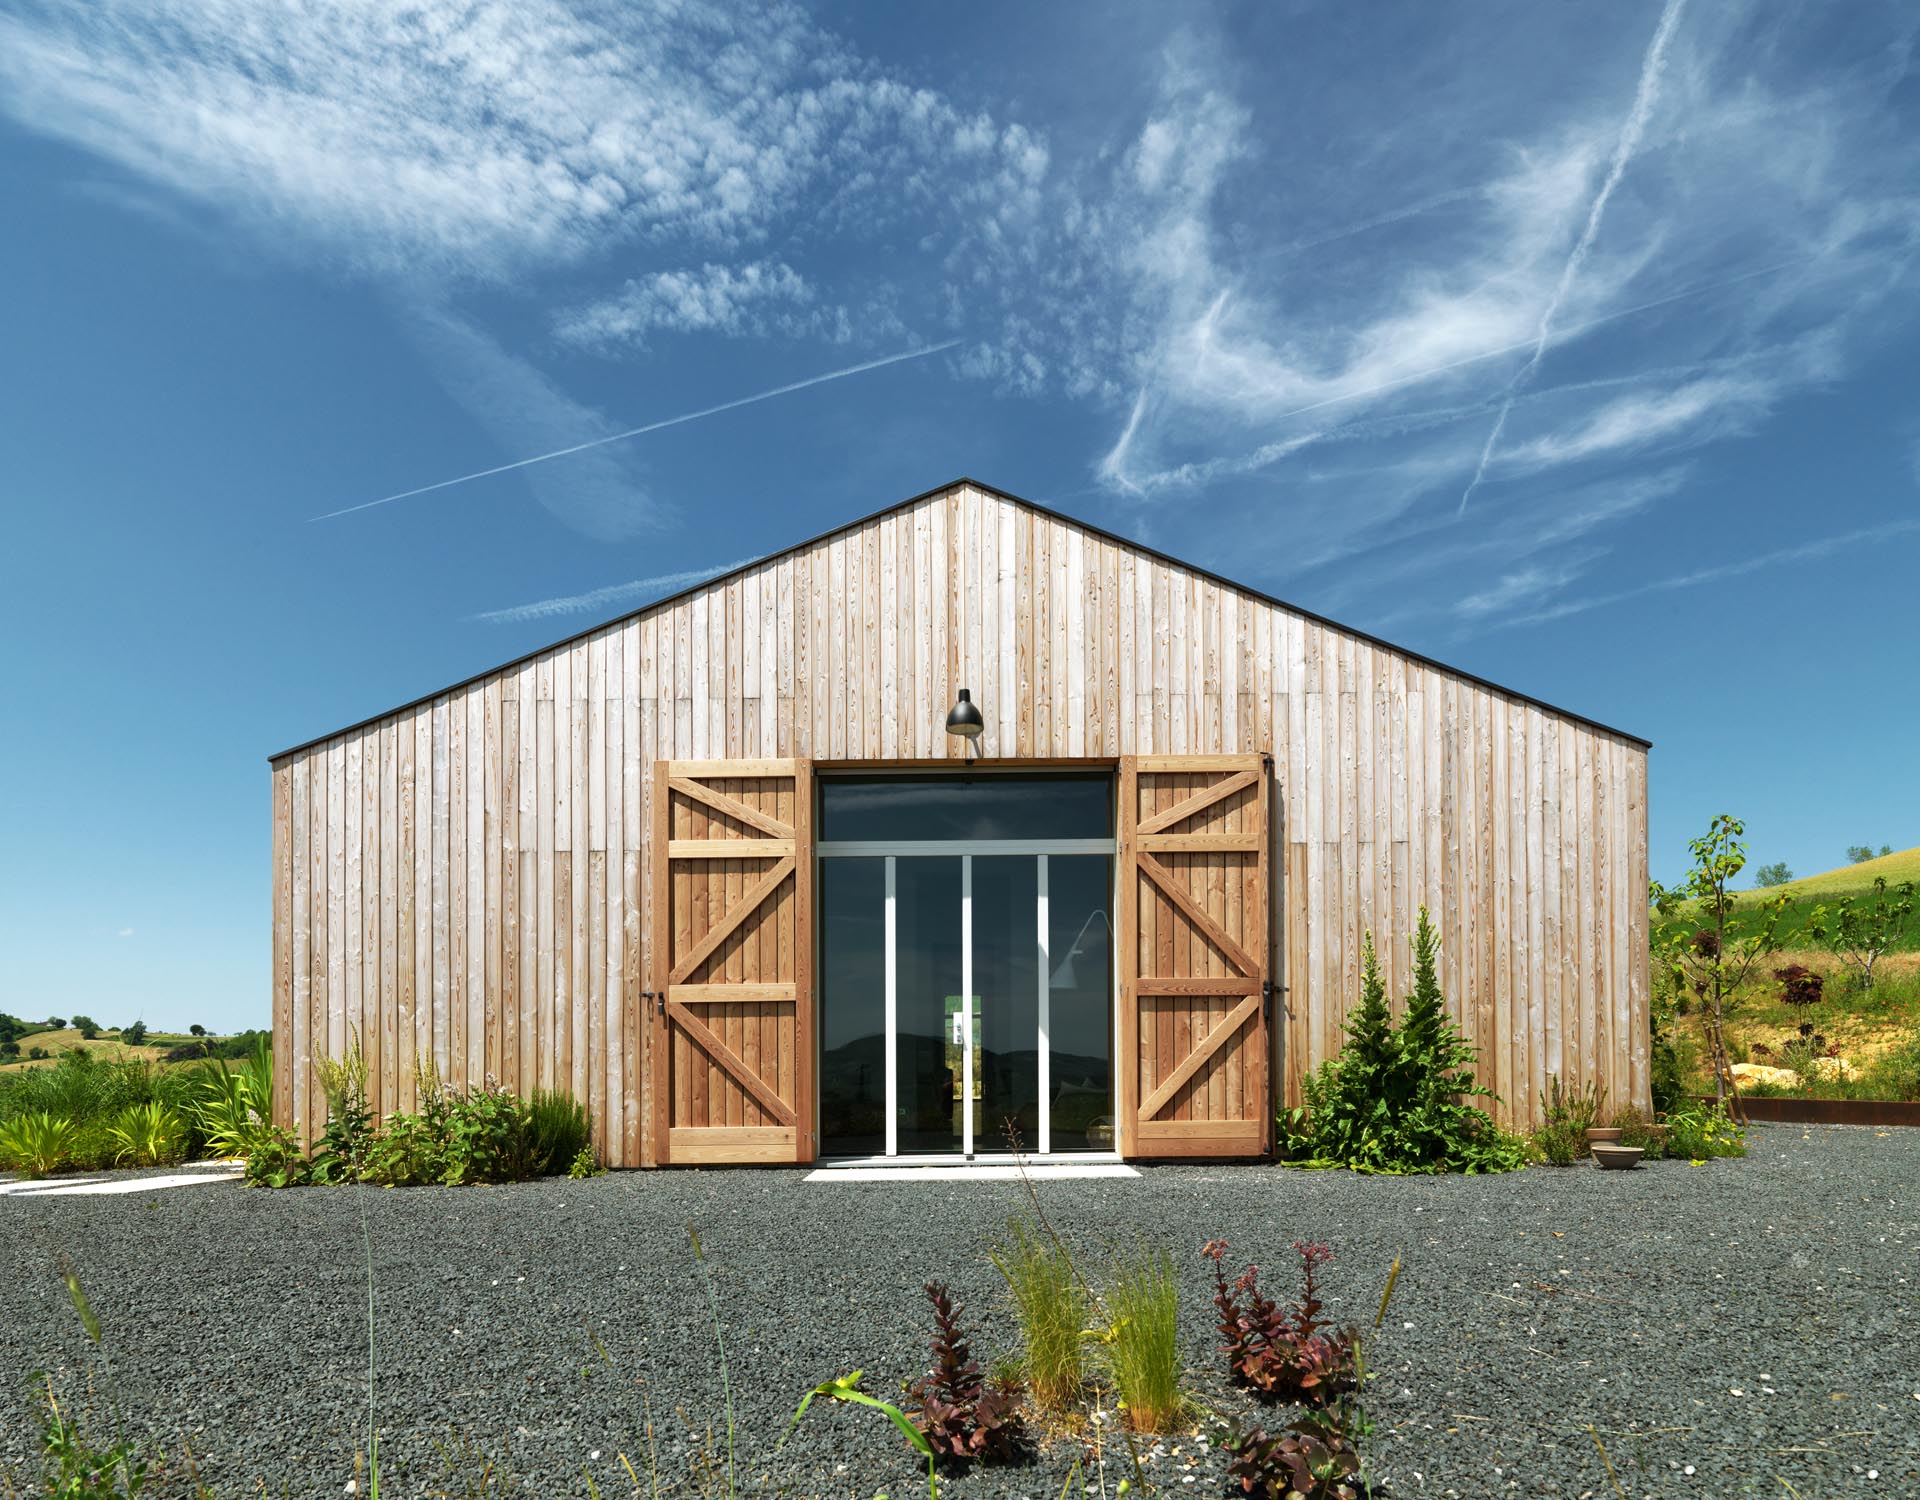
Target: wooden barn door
(733, 1048)
(1193, 952)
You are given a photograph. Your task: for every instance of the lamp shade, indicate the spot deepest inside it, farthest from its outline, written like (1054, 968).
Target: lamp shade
(964, 719)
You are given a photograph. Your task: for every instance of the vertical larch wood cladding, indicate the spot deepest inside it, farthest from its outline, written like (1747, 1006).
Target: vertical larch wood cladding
(470, 880)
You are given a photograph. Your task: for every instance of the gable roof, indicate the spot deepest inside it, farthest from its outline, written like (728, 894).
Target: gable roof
(1087, 526)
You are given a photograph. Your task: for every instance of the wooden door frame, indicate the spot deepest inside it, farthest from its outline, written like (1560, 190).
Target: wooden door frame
(662, 1009)
(1265, 988)
(1109, 764)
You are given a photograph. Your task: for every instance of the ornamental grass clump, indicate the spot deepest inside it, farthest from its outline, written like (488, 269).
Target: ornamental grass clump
(1143, 1346)
(1051, 1305)
(1397, 1098)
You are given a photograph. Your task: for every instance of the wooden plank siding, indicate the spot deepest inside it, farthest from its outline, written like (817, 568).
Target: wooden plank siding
(471, 881)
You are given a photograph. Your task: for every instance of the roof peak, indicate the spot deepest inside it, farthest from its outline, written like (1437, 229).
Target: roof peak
(964, 481)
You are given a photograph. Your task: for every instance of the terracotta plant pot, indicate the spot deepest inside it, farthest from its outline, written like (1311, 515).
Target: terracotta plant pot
(1607, 1135)
(1616, 1158)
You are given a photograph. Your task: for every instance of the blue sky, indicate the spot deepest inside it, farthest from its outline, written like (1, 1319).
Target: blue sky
(1570, 344)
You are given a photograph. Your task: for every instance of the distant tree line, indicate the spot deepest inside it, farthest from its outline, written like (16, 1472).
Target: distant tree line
(1859, 854)
(15, 1031)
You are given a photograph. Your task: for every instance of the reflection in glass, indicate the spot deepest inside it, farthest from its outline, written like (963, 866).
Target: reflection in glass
(853, 1007)
(1080, 1000)
(967, 807)
(1006, 948)
(927, 973)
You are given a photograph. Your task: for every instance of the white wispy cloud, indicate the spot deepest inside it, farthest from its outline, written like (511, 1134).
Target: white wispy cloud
(1644, 417)
(635, 591)
(477, 137)
(1808, 551)
(734, 300)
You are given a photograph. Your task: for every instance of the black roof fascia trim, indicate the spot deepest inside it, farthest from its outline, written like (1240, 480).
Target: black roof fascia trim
(940, 489)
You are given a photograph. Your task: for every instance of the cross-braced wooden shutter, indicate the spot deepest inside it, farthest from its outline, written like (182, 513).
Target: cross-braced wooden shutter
(1193, 951)
(733, 1004)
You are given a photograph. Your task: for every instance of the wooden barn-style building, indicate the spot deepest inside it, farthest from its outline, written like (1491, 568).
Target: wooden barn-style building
(724, 869)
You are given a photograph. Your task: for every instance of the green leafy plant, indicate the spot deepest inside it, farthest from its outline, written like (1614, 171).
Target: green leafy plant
(490, 1138)
(73, 1468)
(341, 1155)
(409, 1150)
(584, 1165)
(1051, 1307)
(146, 1135)
(1861, 930)
(1143, 1346)
(962, 1418)
(1566, 1118)
(1636, 1131)
(1702, 1132)
(36, 1144)
(846, 1388)
(275, 1159)
(1398, 1099)
(1714, 961)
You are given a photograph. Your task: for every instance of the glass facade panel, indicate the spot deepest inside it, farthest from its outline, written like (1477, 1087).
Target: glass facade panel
(853, 1008)
(1006, 978)
(1041, 931)
(927, 967)
(1080, 1001)
(959, 806)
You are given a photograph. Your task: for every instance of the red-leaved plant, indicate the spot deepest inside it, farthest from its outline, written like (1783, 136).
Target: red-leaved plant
(963, 1418)
(1282, 1354)
(1313, 1459)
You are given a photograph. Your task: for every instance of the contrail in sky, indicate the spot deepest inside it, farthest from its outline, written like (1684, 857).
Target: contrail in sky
(618, 593)
(1629, 142)
(691, 416)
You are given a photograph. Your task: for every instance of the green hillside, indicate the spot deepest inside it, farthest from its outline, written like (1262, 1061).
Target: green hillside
(1815, 890)
(1903, 864)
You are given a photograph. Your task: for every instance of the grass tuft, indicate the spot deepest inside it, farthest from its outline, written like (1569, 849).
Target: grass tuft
(1052, 1310)
(1143, 1297)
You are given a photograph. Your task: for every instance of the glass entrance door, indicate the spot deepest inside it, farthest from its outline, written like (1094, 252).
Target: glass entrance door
(966, 983)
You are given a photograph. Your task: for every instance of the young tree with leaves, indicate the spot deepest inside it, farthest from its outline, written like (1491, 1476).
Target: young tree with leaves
(1715, 959)
(1860, 931)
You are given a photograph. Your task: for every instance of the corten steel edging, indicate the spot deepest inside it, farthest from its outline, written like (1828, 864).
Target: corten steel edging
(1776, 1110)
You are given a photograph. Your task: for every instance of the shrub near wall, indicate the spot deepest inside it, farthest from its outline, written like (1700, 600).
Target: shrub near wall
(488, 1134)
(1398, 1099)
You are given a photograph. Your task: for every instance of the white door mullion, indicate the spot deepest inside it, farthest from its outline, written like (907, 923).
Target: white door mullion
(891, 1030)
(1045, 1056)
(966, 1004)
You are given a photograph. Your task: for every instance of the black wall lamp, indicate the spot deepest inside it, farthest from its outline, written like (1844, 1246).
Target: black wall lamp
(964, 721)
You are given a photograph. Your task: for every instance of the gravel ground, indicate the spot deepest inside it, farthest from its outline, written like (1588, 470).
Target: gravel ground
(1724, 1328)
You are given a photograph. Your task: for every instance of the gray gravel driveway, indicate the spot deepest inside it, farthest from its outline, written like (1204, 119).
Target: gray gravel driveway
(1724, 1329)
